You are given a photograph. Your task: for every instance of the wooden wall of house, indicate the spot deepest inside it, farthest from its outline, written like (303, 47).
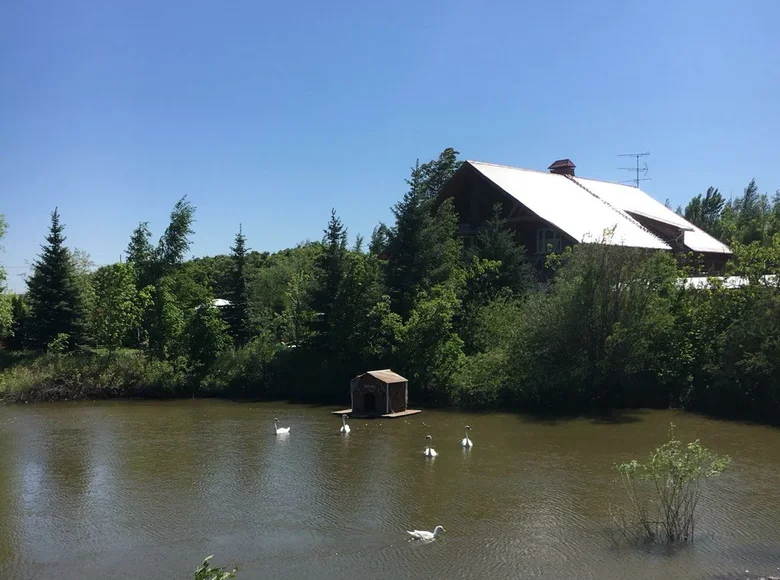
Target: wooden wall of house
(398, 396)
(380, 396)
(474, 198)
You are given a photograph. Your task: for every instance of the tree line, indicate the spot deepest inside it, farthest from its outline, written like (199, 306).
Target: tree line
(614, 327)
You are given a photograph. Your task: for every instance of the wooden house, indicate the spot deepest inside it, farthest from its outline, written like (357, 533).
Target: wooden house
(554, 209)
(380, 393)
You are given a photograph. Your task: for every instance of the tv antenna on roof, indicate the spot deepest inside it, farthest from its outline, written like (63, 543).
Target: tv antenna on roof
(639, 170)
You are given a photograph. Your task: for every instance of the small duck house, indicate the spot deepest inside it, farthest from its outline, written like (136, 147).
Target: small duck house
(380, 393)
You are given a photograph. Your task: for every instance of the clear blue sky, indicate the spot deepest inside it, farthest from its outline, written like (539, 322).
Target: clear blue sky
(271, 114)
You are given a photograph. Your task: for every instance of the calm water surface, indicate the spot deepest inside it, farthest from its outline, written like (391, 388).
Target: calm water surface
(136, 489)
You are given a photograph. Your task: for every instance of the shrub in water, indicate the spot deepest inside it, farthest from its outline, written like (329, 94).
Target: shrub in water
(208, 572)
(664, 491)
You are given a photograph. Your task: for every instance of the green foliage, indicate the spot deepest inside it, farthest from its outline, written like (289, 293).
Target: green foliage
(20, 325)
(153, 263)
(422, 248)
(297, 317)
(380, 238)
(497, 243)
(331, 271)
(602, 337)
(239, 313)
(664, 491)
(90, 375)
(140, 253)
(429, 351)
(6, 309)
(164, 322)
(612, 328)
(206, 337)
(118, 306)
(53, 292)
(6, 315)
(175, 241)
(705, 211)
(208, 572)
(59, 344)
(244, 371)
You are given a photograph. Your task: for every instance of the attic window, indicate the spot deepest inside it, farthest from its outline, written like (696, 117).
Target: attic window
(548, 241)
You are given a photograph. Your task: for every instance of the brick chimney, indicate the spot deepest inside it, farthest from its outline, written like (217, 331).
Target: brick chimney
(562, 167)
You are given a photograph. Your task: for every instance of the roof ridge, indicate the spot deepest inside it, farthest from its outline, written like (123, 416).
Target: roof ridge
(509, 167)
(617, 210)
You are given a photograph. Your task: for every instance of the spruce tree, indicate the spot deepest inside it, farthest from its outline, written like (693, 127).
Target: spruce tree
(497, 242)
(422, 249)
(140, 253)
(331, 269)
(56, 306)
(239, 313)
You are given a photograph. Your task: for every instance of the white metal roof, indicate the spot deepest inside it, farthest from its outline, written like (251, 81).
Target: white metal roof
(729, 282)
(560, 201)
(217, 303)
(636, 201)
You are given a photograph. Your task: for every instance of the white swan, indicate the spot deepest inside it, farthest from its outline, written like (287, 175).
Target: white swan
(466, 442)
(280, 430)
(426, 536)
(429, 451)
(344, 427)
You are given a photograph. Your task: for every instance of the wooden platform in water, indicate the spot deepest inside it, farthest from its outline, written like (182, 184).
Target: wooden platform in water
(388, 416)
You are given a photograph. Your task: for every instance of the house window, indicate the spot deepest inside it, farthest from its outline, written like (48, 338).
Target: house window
(469, 244)
(548, 240)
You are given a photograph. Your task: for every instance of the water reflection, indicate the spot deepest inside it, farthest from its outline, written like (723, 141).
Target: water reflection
(131, 489)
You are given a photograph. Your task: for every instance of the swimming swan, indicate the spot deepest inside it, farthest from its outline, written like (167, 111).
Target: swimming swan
(429, 452)
(427, 536)
(466, 442)
(280, 430)
(344, 427)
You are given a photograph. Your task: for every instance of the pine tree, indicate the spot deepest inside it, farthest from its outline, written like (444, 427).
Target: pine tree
(239, 313)
(141, 254)
(422, 249)
(379, 239)
(331, 269)
(56, 306)
(497, 242)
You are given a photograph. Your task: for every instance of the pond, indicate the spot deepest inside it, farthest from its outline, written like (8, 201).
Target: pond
(147, 489)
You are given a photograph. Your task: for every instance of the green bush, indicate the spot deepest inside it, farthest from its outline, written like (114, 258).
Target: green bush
(208, 572)
(90, 375)
(244, 371)
(481, 381)
(664, 491)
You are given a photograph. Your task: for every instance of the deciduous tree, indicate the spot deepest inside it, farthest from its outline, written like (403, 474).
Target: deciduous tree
(118, 305)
